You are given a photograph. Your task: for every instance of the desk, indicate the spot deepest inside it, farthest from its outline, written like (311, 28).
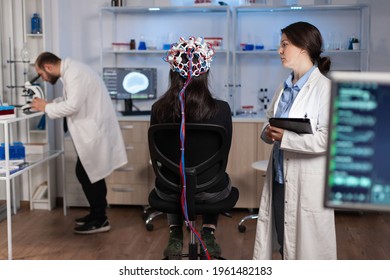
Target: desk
(261, 166)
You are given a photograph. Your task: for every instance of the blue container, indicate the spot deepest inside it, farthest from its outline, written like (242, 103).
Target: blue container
(16, 151)
(142, 45)
(36, 24)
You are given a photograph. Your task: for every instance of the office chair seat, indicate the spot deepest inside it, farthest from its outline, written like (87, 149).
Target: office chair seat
(171, 207)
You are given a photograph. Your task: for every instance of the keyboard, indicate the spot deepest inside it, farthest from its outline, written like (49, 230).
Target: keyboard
(135, 113)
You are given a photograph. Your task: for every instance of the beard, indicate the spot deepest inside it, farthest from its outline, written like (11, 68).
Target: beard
(51, 78)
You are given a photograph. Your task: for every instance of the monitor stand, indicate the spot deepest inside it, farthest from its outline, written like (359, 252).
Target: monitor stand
(128, 106)
(129, 109)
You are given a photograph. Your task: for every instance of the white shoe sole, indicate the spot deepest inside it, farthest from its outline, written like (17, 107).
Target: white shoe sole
(97, 230)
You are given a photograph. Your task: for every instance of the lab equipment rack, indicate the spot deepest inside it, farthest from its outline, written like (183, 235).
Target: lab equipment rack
(31, 161)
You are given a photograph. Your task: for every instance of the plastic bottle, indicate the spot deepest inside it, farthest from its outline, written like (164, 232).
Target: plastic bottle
(36, 24)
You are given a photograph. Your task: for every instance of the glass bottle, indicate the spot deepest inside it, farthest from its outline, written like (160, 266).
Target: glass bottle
(25, 56)
(132, 44)
(36, 24)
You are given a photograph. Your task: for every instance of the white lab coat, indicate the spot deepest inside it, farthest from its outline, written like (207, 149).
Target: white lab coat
(309, 231)
(91, 120)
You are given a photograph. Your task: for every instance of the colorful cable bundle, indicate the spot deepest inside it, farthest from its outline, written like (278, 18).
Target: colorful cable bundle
(204, 53)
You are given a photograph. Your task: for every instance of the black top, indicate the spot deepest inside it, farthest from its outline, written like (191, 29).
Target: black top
(223, 117)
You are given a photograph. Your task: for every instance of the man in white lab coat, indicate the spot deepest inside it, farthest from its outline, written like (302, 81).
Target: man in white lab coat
(93, 126)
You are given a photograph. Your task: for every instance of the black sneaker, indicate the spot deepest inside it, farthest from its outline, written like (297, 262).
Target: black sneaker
(174, 249)
(82, 220)
(92, 227)
(213, 248)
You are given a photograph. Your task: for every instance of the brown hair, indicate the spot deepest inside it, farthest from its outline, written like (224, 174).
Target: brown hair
(46, 57)
(199, 102)
(306, 36)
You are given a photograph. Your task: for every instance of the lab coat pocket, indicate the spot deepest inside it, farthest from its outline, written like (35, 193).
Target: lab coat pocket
(88, 130)
(312, 191)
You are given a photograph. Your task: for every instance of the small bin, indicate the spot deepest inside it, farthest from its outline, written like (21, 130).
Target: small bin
(16, 151)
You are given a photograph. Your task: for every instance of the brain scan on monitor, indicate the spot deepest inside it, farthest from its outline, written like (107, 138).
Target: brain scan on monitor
(131, 83)
(134, 82)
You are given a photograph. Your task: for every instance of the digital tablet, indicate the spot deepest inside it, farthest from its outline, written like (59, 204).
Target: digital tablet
(298, 125)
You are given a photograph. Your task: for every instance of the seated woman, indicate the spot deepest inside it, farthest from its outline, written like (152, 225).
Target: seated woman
(190, 63)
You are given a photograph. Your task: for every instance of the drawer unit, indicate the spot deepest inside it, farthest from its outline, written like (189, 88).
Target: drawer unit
(126, 194)
(130, 184)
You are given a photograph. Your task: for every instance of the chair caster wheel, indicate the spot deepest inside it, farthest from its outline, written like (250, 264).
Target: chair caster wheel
(241, 228)
(144, 216)
(149, 227)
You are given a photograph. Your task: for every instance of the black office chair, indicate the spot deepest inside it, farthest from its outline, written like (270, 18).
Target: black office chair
(206, 151)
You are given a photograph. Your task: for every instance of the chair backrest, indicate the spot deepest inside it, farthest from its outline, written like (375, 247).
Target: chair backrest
(206, 156)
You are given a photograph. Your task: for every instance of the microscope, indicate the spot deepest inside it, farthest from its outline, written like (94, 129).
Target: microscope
(31, 91)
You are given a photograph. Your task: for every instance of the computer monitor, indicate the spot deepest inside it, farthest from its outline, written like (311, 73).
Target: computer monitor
(358, 159)
(131, 83)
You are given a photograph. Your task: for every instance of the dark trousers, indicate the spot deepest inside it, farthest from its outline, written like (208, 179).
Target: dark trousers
(278, 207)
(95, 193)
(175, 219)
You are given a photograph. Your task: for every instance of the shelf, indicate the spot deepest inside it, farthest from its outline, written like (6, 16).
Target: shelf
(298, 8)
(148, 52)
(40, 35)
(20, 117)
(259, 52)
(275, 52)
(31, 161)
(38, 131)
(178, 9)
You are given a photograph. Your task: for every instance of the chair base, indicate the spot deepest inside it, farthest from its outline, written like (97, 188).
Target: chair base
(149, 219)
(241, 226)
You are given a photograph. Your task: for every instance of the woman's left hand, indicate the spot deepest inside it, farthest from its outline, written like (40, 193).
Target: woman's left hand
(275, 133)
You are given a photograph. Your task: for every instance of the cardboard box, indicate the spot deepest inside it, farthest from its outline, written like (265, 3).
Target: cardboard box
(36, 148)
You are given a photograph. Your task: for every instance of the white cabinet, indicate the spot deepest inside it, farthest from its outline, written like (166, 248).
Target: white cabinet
(131, 184)
(42, 194)
(261, 25)
(74, 191)
(164, 26)
(127, 185)
(248, 180)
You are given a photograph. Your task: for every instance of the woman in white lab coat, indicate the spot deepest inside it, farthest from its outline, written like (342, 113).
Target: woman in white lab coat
(94, 128)
(291, 204)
